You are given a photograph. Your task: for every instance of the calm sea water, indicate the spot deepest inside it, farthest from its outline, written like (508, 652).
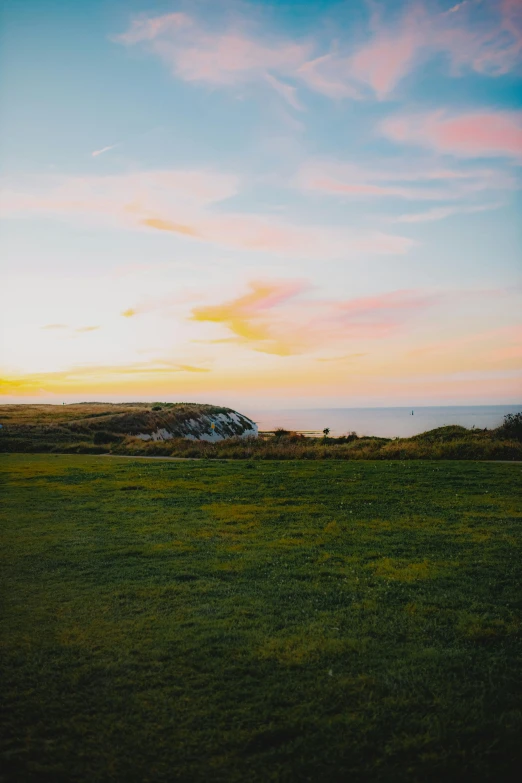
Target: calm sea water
(385, 422)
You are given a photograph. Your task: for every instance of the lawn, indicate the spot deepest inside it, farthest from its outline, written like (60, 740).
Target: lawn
(260, 621)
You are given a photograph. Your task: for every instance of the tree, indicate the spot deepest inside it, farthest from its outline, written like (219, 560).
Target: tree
(326, 432)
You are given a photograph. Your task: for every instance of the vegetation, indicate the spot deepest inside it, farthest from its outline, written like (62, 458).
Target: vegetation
(279, 621)
(99, 428)
(86, 426)
(512, 426)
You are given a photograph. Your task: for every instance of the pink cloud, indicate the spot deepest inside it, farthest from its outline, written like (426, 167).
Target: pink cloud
(239, 53)
(177, 202)
(330, 76)
(331, 185)
(390, 54)
(274, 318)
(440, 213)
(195, 53)
(123, 195)
(477, 134)
(394, 49)
(147, 29)
(273, 235)
(384, 63)
(381, 315)
(231, 58)
(493, 48)
(409, 179)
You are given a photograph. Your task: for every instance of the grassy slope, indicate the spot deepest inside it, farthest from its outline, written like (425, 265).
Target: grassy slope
(84, 411)
(265, 622)
(41, 428)
(101, 428)
(85, 419)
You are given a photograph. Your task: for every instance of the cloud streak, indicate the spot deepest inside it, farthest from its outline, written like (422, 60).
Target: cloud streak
(396, 47)
(96, 153)
(195, 53)
(180, 203)
(489, 43)
(274, 318)
(471, 135)
(95, 376)
(409, 179)
(61, 327)
(440, 213)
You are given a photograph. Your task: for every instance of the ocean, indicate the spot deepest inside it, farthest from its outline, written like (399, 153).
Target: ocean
(384, 422)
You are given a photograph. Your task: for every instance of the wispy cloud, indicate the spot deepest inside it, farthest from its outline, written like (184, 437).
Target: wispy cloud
(241, 51)
(440, 213)
(274, 318)
(96, 153)
(397, 46)
(246, 316)
(411, 178)
(87, 377)
(270, 234)
(62, 327)
(191, 368)
(178, 202)
(287, 91)
(196, 53)
(168, 225)
(389, 55)
(148, 28)
(457, 7)
(471, 135)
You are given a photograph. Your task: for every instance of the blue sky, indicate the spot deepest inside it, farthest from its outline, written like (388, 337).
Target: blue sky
(313, 202)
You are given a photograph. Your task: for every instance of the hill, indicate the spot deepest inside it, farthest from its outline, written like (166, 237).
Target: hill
(105, 423)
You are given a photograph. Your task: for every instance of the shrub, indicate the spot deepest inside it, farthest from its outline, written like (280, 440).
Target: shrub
(450, 432)
(348, 438)
(107, 437)
(512, 427)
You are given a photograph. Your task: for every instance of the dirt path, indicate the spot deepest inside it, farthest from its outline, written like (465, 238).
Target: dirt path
(224, 459)
(144, 456)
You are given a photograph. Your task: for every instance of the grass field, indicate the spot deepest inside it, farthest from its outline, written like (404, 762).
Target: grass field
(260, 621)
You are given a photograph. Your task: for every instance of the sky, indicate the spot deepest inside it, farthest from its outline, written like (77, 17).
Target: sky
(271, 204)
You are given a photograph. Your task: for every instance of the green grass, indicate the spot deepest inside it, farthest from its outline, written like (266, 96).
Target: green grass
(260, 621)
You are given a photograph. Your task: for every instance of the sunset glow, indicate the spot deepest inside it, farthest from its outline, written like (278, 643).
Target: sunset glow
(237, 203)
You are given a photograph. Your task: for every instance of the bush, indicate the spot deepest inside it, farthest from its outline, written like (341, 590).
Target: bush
(511, 429)
(107, 437)
(348, 438)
